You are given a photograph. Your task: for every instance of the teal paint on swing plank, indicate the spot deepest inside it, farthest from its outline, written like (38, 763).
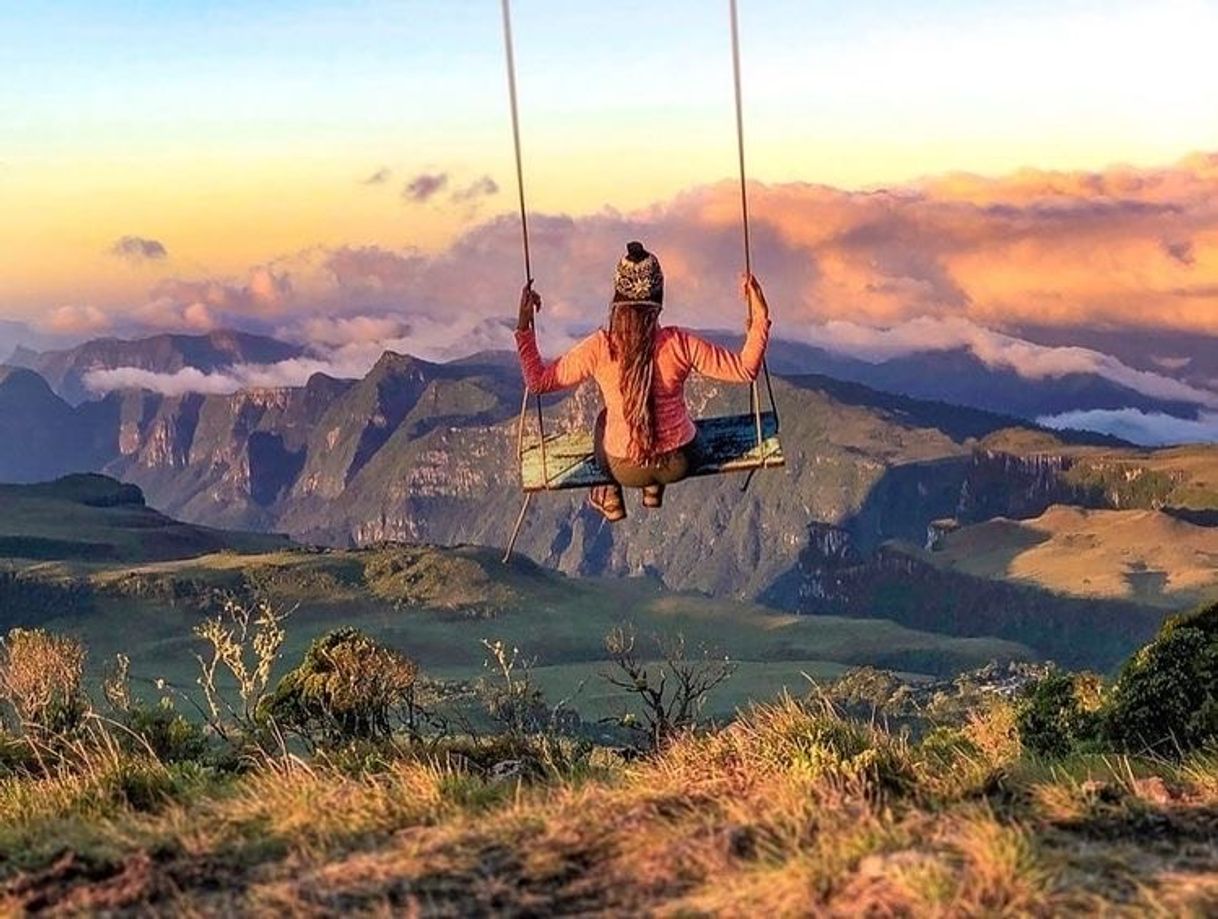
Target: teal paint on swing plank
(729, 445)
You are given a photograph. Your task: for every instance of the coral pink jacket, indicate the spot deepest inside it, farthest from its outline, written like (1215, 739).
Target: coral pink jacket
(678, 353)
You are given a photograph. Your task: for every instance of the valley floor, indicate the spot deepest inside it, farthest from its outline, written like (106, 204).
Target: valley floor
(790, 811)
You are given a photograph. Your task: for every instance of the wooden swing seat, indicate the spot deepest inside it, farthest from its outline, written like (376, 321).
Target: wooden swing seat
(729, 444)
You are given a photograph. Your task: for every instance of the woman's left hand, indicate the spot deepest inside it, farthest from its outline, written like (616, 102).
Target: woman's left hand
(759, 310)
(530, 304)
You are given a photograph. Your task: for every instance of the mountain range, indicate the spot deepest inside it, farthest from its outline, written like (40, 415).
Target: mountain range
(425, 452)
(956, 375)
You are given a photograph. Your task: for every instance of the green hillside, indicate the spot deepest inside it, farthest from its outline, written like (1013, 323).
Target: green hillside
(94, 519)
(1016, 791)
(418, 452)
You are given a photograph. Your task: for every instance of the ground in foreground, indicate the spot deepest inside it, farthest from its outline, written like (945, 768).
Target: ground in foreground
(792, 809)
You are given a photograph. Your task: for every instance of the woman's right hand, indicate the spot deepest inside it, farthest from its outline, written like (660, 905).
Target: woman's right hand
(530, 304)
(759, 310)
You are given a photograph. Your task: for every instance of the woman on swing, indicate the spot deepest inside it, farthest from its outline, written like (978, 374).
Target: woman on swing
(645, 437)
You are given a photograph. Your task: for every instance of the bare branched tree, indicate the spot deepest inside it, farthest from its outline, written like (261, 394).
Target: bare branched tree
(245, 641)
(671, 687)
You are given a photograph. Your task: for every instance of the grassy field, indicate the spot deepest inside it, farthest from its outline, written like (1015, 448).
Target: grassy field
(751, 680)
(1182, 477)
(1141, 555)
(438, 606)
(786, 807)
(93, 561)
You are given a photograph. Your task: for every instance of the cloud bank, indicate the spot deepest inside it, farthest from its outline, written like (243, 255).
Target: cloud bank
(1120, 248)
(997, 350)
(957, 261)
(1150, 429)
(344, 347)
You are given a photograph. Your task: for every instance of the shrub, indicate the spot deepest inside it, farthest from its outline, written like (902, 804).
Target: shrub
(170, 735)
(508, 691)
(1058, 712)
(16, 757)
(116, 684)
(1166, 697)
(992, 729)
(345, 688)
(41, 676)
(139, 784)
(868, 690)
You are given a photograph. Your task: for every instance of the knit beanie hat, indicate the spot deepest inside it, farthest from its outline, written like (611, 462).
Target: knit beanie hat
(638, 278)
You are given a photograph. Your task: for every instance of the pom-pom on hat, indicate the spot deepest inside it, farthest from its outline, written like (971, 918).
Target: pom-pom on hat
(638, 278)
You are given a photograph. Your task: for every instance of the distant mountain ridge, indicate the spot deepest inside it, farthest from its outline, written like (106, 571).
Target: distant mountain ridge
(957, 376)
(65, 370)
(960, 377)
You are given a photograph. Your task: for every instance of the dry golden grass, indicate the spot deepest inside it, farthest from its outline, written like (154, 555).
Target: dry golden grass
(790, 811)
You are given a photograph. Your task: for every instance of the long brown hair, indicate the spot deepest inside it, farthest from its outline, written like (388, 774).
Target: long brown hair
(632, 338)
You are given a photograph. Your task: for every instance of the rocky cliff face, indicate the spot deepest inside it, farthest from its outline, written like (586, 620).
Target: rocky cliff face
(1009, 484)
(41, 437)
(456, 483)
(1002, 484)
(420, 451)
(358, 423)
(222, 460)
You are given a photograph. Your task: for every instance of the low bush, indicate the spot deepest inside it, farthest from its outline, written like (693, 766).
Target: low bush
(16, 757)
(245, 641)
(346, 687)
(810, 740)
(1059, 712)
(1166, 696)
(669, 686)
(508, 692)
(165, 732)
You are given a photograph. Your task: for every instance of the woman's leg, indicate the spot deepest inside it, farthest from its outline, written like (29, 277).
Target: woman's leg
(653, 496)
(676, 466)
(607, 499)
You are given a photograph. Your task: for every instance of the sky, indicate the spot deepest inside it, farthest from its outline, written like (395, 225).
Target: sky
(145, 144)
(1020, 180)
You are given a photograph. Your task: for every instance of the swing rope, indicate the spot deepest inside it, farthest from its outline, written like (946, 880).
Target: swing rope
(511, 76)
(528, 274)
(744, 192)
(755, 400)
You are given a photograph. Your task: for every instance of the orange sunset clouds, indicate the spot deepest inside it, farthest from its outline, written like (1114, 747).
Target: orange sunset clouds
(1119, 247)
